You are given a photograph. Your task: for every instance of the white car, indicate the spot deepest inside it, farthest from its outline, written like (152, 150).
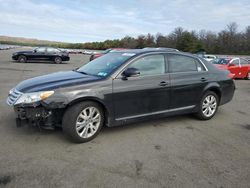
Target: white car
(209, 57)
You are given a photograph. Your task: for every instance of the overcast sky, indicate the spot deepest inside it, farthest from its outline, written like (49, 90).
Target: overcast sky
(97, 20)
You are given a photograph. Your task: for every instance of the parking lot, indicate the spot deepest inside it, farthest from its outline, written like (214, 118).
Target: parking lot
(171, 152)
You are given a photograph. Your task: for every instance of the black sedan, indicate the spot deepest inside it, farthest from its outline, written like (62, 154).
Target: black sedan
(42, 54)
(122, 87)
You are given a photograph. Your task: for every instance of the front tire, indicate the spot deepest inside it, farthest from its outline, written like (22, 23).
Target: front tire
(82, 122)
(208, 106)
(22, 59)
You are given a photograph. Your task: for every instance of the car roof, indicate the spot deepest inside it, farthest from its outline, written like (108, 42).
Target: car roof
(137, 52)
(148, 50)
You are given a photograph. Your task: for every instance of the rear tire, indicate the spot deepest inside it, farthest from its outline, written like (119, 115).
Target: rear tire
(208, 106)
(22, 59)
(58, 60)
(82, 122)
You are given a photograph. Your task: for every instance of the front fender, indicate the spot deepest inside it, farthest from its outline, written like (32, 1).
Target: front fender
(98, 92)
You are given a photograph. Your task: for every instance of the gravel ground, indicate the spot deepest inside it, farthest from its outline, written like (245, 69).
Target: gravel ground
(171, 152)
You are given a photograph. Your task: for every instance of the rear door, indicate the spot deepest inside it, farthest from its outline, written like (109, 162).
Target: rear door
(145, 94)
(188, 78)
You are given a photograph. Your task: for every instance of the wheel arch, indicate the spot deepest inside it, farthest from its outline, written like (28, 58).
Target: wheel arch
(215, 87)
(22, 55)
(95, 100)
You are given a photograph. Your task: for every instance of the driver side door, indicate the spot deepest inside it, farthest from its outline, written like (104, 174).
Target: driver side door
(39, 54)
(144, 94)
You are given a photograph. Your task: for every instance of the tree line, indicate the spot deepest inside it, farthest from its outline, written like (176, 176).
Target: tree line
(227, 41)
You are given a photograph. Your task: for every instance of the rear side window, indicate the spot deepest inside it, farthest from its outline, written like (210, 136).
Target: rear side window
(236, 62)
(181, 63)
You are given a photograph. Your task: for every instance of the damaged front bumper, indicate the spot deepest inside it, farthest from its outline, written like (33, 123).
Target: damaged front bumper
(38, 113)
(38, 116)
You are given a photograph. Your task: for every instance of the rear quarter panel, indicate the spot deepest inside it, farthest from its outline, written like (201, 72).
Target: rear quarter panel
(225, 85)
(219, 80)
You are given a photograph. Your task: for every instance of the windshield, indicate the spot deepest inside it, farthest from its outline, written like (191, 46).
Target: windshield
(221, 61)
(105, 65)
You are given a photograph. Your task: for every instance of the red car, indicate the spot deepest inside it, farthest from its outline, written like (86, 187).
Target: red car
(239, 67)
(94, 56)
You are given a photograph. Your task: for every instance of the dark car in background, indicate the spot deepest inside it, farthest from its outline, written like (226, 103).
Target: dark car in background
(96, 55)
(41, 54)
(122, 87)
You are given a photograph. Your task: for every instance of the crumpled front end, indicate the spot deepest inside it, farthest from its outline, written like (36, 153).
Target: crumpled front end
(36, 113)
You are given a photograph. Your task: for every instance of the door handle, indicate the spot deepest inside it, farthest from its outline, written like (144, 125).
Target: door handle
(203, 79)
(163, 83)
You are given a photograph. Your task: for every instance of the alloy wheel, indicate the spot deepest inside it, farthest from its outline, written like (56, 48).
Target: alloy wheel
(209, 106)
(88, 122)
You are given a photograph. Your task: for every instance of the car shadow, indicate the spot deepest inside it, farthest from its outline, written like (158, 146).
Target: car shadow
(58, 134)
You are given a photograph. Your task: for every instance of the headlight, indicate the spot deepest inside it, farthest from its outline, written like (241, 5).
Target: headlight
(11, 91)
(27, 98)
(14, 54)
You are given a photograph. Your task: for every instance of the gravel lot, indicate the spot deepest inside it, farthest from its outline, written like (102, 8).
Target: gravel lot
(171, 152)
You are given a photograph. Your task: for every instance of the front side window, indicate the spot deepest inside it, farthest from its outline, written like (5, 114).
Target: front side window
(181, 63)
(41, 50)
(52, 50)
(236, 62)
(150, 65)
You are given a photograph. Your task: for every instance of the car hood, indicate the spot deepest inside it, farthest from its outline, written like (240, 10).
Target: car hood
(54, 81)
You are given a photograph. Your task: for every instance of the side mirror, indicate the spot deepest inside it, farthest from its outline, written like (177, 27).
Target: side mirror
(131, 72)
(34, 51)
(231, 65)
